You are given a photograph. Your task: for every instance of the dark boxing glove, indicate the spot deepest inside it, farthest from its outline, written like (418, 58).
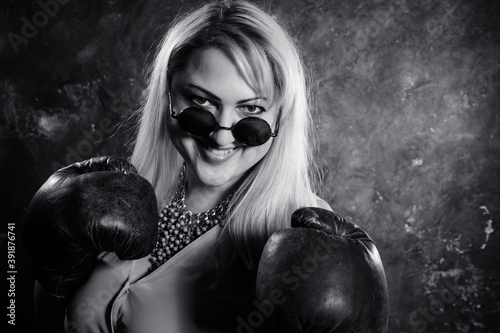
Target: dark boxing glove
(322, 275)
(97, 205)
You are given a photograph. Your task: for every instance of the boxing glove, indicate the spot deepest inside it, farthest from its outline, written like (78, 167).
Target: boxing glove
(322, 275)
(100, 204)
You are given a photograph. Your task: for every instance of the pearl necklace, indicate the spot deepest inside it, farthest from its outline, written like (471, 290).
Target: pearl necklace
(178, 226)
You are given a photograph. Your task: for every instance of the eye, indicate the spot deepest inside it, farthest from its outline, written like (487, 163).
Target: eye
(252, 109)
(200, 101)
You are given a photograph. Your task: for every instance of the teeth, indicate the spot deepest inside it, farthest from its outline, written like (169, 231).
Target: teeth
(220, 152)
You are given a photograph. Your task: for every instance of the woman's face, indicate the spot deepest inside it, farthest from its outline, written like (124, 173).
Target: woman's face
(210, 80)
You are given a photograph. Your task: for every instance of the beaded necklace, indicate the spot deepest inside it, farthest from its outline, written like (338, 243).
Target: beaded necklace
(178, 226)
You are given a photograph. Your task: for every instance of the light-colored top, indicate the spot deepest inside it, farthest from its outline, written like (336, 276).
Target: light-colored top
(121, 296)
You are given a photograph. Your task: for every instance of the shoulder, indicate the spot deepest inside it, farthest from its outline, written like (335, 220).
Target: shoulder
(322, 203)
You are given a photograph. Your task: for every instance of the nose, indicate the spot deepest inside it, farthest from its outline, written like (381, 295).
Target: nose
(226, 119)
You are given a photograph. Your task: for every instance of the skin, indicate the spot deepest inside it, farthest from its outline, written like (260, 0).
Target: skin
(216, 162)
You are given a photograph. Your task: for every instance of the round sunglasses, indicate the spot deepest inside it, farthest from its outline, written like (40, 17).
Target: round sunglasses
(250, 131)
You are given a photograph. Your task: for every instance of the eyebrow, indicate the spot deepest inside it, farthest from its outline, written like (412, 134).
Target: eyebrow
(213, 96)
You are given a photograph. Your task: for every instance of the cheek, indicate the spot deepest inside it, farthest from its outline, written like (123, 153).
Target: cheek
(254, 154)
(178, 137)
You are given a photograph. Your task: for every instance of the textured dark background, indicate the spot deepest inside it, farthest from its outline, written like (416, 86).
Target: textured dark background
(408, 117)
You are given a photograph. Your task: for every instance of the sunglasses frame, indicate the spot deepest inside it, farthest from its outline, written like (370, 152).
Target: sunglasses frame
(217, 125)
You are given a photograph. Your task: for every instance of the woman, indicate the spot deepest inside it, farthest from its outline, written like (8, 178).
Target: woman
(234, 61)
(225, 139)
(246, 65)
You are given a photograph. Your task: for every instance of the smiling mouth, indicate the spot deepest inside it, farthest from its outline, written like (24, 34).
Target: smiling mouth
(219, 153)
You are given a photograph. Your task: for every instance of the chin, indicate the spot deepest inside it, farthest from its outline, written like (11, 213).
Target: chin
(216, 175)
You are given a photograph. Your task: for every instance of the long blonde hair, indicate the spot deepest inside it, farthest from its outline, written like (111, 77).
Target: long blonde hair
(282, 181)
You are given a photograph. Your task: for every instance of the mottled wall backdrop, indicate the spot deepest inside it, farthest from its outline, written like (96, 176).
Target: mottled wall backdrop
(407, 96)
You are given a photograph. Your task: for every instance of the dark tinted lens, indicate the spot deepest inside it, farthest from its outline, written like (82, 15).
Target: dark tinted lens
(252, 131)
(197, 121)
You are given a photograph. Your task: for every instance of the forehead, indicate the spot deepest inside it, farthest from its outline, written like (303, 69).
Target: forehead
(214, 70)
(252, 65)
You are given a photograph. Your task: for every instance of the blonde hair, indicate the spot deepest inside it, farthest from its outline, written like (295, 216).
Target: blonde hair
(266, 55)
